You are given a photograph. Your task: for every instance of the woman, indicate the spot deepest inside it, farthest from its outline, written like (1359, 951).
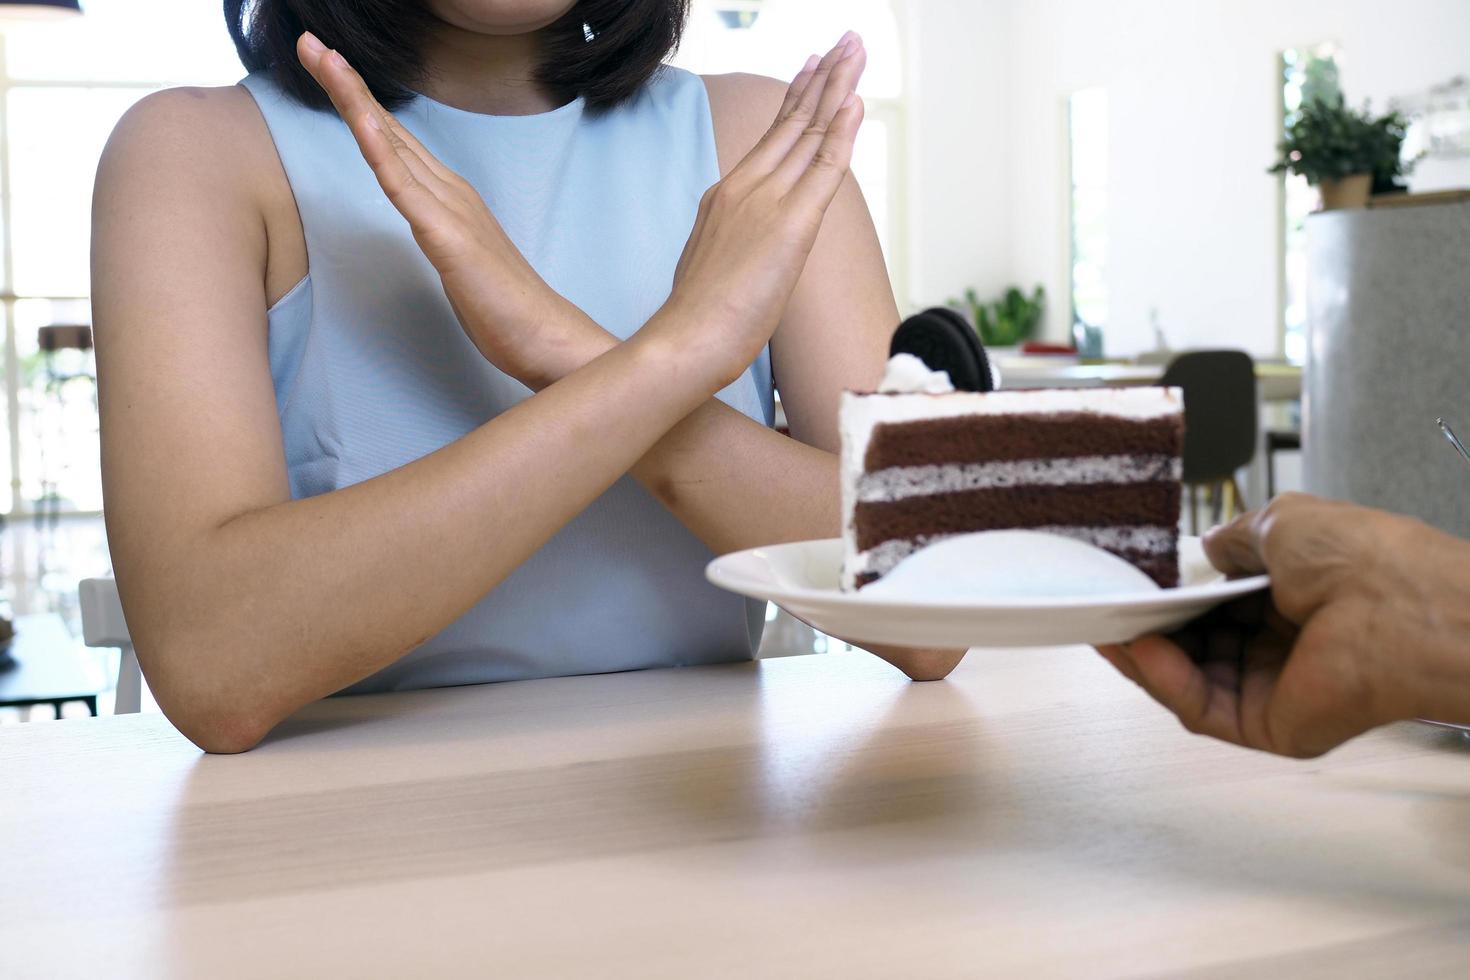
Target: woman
(345, 450)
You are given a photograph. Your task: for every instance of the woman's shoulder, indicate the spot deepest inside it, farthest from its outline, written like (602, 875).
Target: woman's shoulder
(742, 107)
(209, 136)
(219, 119)
(207, 150)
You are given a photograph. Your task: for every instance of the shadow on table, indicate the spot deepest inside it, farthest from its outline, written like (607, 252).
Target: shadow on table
(910, 772)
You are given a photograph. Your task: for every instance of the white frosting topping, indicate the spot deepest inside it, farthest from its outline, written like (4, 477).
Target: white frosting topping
(908, 375)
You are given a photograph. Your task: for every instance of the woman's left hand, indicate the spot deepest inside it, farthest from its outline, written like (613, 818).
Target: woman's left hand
(514, 318)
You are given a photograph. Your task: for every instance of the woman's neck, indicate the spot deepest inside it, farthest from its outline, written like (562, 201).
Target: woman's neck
(485, 73)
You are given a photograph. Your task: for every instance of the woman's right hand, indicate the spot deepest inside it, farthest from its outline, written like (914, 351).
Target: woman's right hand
(757, 226)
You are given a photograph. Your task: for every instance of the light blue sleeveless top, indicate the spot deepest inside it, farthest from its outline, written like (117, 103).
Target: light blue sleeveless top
(372, 370)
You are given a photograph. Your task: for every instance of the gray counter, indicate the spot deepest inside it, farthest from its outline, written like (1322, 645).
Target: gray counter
(1389, 351)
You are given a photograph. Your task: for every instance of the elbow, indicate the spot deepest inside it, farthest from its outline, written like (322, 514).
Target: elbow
(212, 712)
(222, 733)
(217, 726)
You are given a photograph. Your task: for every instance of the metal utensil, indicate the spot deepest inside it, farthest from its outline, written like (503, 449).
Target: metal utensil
(1450, 435)
(1459, 448)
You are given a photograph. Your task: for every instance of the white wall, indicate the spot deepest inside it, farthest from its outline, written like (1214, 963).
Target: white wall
(1193, 96)
(959, 167)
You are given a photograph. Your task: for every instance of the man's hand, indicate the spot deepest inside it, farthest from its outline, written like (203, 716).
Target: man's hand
(1368, 622)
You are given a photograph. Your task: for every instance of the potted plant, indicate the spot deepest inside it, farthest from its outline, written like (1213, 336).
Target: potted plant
(1008, 321)
(1342, 151)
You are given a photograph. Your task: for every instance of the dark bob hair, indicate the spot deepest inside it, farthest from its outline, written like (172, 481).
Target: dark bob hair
(602, 50)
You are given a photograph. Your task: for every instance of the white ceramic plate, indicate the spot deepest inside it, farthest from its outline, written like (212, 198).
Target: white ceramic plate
(802, 578)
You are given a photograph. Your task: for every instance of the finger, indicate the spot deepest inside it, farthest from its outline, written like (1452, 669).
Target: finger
(1117, 655)
(406, 185)
(1260, 674)
(412, 186)
(796, 113)
(1174, 680)
(1235, 548)
(837, 95)
(395, 129)
(829, 165)
(355, 103)
(798, 86)
(1317, 701)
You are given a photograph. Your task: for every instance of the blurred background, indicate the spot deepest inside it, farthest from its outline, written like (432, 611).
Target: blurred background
(1084, 176)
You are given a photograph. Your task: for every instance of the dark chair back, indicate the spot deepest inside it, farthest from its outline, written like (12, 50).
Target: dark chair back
(1220, 411)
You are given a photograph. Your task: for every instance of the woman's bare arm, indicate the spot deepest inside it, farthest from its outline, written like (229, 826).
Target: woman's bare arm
(734, 482)
(245, 604)
(738, 484)
(731, 480)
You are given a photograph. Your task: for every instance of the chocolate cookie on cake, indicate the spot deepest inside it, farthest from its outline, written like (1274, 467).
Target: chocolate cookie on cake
(922, 462)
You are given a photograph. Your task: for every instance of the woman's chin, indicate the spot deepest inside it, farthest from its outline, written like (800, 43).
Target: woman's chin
(500, 17)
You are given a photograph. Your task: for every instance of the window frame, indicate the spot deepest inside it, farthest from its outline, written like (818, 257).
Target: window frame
(19, 505)
(1071, 187)
(892, 112)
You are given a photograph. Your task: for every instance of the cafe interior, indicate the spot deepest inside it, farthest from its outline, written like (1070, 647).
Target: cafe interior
(1111, 196)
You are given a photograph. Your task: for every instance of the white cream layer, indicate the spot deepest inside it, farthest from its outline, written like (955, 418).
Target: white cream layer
(902, 482)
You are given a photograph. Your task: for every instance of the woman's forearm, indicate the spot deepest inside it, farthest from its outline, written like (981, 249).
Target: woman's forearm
(241, 624)
(729, 479)
(737, 484)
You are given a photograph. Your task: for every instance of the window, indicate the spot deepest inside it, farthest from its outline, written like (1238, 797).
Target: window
(1307, 74)
(774, 37)
(63, 86)
(1087, 130)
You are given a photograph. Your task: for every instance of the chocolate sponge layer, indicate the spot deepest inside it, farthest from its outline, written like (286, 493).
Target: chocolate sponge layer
(980, 438)
(1108, 505)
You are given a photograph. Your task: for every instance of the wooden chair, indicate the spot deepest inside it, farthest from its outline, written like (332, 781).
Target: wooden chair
(1221, 422)
(103, 626)
(69, 373)
(1279, 441)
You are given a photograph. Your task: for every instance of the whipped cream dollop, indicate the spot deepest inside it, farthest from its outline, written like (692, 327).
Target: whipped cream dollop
(908, 375)
(1000, 565)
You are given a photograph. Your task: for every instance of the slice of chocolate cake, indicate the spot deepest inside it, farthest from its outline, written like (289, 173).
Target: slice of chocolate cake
(922, 462)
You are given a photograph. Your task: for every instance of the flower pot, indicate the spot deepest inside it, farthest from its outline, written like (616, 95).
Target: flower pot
(1347, 193)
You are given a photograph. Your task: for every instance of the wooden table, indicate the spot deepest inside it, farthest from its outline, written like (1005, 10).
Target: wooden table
(810, 817)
